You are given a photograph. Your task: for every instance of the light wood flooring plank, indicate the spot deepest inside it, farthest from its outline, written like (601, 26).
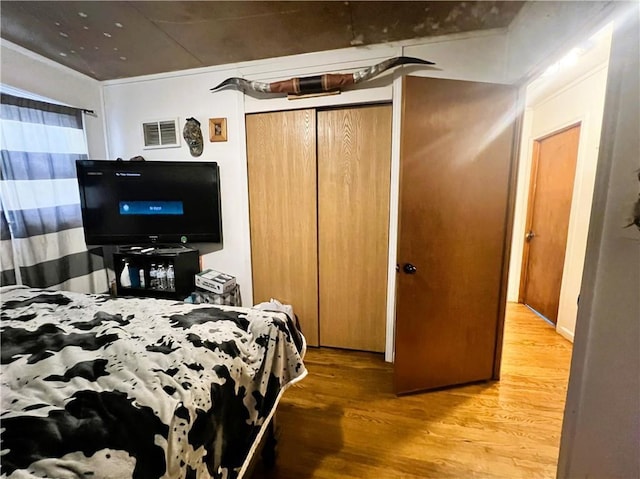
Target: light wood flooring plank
(343, 420)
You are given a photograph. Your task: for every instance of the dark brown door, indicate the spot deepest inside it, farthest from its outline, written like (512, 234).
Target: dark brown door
(456, 160)
(553, 170)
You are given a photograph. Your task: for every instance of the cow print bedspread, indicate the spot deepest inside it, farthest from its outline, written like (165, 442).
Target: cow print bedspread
(97, 387)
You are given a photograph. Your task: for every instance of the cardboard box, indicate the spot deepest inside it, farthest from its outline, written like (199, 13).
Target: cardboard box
(215, 281)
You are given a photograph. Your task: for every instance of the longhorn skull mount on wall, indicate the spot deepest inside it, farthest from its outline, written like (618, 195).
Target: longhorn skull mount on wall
(328, 82)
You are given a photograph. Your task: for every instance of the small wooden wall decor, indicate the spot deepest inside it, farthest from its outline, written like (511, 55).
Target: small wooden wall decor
(217, 129)
(319, 83)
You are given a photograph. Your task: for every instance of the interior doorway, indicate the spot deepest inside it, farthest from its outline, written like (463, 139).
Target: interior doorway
(568, 93)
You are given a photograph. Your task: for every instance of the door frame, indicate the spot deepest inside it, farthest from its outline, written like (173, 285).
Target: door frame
(518, 129)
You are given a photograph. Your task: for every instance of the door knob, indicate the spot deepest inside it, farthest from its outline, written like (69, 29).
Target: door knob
(530, 235)
(409, 268)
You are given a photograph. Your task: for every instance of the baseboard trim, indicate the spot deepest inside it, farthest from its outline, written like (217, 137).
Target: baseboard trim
(565, 333)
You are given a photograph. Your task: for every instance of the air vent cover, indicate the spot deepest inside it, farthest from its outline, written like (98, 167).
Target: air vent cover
(160, 134)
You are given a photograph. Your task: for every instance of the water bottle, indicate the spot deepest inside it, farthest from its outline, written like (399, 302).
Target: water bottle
(171, 278)
(162, 277)
(141, 272)
(153, 277)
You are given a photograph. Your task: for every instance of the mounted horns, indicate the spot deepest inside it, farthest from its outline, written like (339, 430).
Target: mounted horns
(319, 83)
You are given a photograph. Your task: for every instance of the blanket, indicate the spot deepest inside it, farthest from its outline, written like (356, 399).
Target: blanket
(102, 387)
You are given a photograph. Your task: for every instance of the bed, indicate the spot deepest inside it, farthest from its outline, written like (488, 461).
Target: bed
(102, 387)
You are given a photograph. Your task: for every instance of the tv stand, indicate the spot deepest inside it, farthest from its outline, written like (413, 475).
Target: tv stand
(150, 268)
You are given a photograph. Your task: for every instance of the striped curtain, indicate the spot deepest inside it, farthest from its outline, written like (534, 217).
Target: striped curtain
(40, 220)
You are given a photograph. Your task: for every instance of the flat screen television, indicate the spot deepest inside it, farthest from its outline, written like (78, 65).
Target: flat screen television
(142, 202)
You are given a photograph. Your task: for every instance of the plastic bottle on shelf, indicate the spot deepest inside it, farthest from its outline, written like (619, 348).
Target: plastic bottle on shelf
(171, 278)
(125, 279)
(142, 283)
(153, 277)
(162, 277)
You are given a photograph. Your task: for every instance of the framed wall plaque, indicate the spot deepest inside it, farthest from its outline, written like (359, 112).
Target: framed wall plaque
(217, 129)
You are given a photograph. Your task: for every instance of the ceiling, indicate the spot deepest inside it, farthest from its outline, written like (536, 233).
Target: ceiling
(118, 39)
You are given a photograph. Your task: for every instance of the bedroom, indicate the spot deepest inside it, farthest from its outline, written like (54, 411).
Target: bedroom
(186, 94)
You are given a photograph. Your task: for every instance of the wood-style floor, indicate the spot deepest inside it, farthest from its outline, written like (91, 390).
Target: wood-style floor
(343, 420)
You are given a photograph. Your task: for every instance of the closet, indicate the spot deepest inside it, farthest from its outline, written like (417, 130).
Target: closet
(319, 216)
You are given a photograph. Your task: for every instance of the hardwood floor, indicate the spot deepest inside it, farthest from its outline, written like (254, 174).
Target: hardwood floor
(343, 420)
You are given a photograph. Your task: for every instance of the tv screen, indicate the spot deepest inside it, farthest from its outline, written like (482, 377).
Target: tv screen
(144, 202)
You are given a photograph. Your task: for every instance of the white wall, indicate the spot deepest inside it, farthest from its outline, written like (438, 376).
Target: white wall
(601, 428)
(184, 94)
(25, 70)
(130, 102)
(574, 94)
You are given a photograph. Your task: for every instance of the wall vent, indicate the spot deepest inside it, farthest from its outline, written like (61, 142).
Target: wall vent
(160, 134)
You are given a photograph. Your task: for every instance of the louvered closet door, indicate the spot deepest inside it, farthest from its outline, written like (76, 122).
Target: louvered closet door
(281, 162)
(354, 161)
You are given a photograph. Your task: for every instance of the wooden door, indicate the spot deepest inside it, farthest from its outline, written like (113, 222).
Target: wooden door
(456, 161)
(354, 164)
(281, 162)
(553, 172)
